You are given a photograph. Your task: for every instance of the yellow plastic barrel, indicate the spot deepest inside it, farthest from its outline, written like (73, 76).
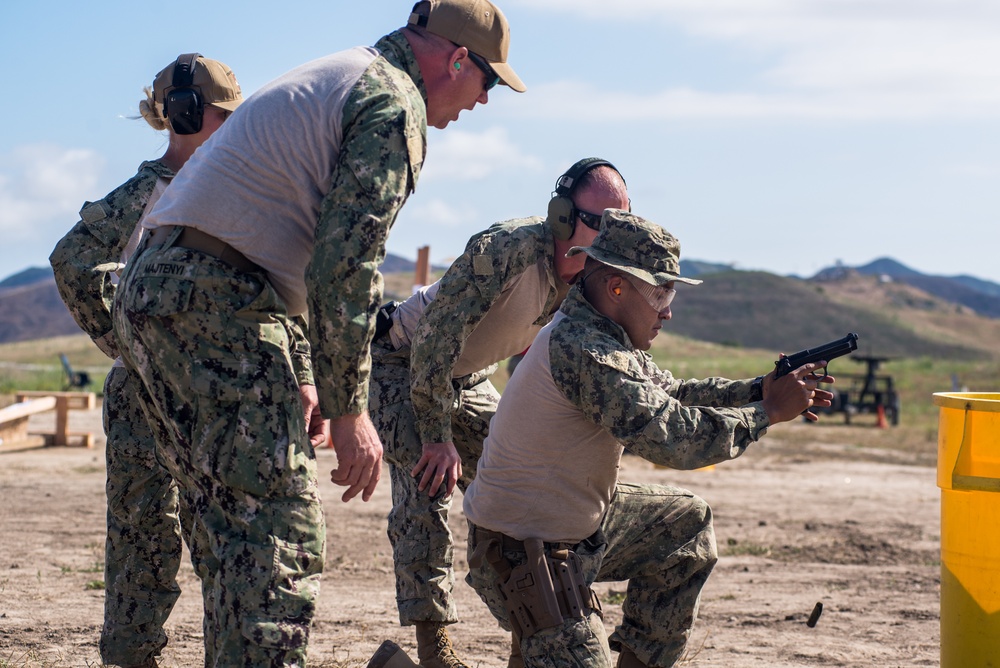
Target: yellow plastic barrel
(968, 474)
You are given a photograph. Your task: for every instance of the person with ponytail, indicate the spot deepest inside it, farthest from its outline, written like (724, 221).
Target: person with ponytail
(189, 99)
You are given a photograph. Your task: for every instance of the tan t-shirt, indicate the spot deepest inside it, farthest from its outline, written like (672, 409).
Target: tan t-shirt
(545, 471)
(508, 327)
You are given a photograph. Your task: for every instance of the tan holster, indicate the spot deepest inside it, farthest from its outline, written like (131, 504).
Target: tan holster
(543, 591)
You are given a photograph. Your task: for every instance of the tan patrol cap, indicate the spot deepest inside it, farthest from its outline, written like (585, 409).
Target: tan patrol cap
(479, 26)
(215, 82)
(638, 247)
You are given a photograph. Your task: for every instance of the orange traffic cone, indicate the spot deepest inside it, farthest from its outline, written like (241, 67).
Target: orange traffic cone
(882, 424)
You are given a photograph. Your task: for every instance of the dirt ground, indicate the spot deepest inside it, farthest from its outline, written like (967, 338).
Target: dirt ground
(798, 522)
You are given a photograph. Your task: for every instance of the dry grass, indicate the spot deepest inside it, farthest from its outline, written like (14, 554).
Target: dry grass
(35, 365)
(935, 318)
(32, 659)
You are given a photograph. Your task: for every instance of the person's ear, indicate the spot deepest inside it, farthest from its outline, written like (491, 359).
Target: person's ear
(454, 66)
(615, 286)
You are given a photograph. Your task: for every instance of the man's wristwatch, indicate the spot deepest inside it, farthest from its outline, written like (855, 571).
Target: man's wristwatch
(757, 389)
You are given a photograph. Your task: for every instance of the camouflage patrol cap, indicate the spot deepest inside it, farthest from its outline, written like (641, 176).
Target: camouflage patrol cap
(637, 247)
(215, 82)
(479, 26)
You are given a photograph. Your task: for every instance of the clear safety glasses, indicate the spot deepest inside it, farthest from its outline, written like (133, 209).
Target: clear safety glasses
(658, 296)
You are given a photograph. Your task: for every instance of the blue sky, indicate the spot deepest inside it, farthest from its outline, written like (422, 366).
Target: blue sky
(783, 135)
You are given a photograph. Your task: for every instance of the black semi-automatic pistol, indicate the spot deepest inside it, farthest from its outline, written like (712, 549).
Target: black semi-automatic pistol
(825, 353)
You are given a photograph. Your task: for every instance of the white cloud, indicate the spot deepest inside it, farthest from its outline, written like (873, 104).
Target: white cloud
(41, 190)
(836, 59)
(549, 102)
(439, 213)
(460, 155)
(40, 183)
(974, 170)
(442, 224)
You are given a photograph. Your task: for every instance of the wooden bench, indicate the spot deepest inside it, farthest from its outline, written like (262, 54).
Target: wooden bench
(31, 402)
(14, 420)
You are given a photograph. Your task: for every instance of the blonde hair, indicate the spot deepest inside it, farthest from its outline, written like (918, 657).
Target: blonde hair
(151, 111)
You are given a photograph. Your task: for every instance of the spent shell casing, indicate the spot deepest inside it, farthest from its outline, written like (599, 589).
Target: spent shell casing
(814, 617)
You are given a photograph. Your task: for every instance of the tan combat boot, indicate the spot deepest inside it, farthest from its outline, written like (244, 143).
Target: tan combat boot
(390, 655)
(434, 647)
(626, 659)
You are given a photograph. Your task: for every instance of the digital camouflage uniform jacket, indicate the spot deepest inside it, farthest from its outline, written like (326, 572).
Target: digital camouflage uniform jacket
(86, 257)
(683, 424)
(385, 131)
(84, 260)
(492, 260)
(597, 394)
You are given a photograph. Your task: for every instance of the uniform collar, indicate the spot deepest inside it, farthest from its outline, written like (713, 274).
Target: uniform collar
(157, 168)
(395, 48)
(576, 307)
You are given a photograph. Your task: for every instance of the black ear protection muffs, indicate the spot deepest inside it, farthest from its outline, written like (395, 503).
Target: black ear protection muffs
(182, 102)
(562, 213)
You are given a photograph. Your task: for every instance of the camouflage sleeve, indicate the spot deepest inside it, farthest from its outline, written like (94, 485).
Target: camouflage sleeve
(465, 295)
(715, 392)
(85, 258)
(384, 129)
(610, 386)
(301, 357)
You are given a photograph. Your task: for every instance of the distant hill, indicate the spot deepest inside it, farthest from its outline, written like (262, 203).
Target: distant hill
(396, 264)
(26, 277)
(978, 284)
(888, 267)
(752, 309)
(897, 312)
(33, 311)
(30, 306)
(699, 268)
(981, 296)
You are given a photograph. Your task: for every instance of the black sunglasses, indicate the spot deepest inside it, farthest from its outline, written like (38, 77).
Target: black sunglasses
(492, 78)
(591, 220)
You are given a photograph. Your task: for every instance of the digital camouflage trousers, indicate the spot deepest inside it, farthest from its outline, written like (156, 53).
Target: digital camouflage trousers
(658, 538)
(143, 547)
(211, 347)
(422, 549)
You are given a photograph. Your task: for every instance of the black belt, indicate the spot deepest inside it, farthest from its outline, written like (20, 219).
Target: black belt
(195, 239)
